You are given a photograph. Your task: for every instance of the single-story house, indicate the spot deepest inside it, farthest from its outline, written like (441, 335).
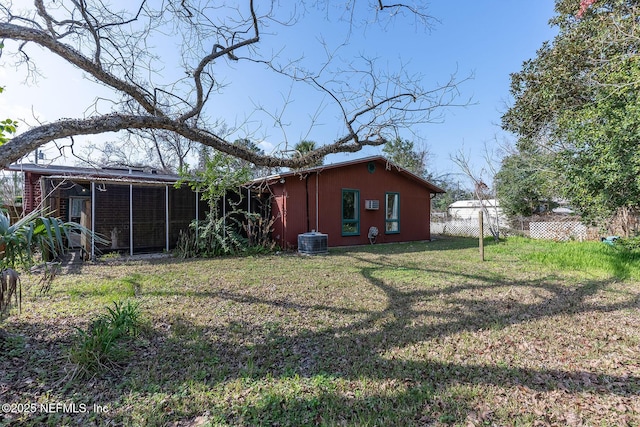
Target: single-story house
(347, 200)
(137, 210)
(142, 210)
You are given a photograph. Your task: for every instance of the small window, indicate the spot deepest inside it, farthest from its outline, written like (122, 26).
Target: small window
(392, 213)
(350, 212)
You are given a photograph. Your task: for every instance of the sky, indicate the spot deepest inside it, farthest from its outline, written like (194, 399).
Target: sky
(486, 40)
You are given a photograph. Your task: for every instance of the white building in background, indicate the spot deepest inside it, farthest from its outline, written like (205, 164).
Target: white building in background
(468, 209)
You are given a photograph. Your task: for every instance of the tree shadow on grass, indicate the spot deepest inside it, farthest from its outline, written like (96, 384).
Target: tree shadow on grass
(358, 352)
(438, 243)
(263, 374)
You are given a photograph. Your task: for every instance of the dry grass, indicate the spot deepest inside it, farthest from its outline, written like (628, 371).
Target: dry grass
(414, 334)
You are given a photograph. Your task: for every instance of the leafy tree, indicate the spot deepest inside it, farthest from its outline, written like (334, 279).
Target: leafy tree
(404, 153)
(579, 99)
(221, 174)
(7, 126)
(525, 183)
(602, 163)
(454, 192)
(124, 51)
(254, 170)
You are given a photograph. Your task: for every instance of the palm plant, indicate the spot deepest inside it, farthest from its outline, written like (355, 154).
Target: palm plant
(303, 148)
(21, 243)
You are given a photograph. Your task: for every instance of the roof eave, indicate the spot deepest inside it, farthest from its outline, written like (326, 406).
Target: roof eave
(317, 169)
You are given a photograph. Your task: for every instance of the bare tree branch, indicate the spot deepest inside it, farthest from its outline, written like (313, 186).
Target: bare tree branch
(118, 50)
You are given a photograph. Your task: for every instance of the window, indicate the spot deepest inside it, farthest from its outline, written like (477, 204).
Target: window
(350, 212)
(75, 209)
(392, 213)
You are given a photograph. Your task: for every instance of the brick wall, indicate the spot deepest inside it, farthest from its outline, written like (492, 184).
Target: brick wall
(32, 192)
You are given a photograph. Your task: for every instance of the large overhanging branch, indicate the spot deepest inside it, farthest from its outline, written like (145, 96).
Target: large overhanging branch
(39, 37)
(34, 138)
(112, 48)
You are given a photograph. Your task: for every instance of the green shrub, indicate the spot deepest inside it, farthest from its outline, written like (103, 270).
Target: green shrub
(238, 232)
(104, 344)
(214, 237)
(125, 318)
(631, 244)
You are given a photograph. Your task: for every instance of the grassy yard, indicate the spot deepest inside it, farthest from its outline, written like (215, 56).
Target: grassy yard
(419, 334)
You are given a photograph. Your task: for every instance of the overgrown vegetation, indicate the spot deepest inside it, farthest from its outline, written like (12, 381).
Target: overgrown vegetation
(34, 237)
(236, 233)
(593, 258)
(228, 228)
(630, 244)
(406, 334)
(210, 238)
(104, 344)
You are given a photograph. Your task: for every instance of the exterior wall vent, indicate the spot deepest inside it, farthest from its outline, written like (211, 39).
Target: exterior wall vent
(312, 243)
(372, 205)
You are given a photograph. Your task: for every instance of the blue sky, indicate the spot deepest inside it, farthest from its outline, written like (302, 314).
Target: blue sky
(487, 39)
(492, 38)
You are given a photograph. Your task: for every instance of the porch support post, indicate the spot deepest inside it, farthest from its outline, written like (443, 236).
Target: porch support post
(166, 205)
(197, 212)
(93, 221)
(131, 219)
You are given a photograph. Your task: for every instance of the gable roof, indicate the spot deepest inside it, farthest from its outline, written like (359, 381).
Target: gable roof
(388, 165)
